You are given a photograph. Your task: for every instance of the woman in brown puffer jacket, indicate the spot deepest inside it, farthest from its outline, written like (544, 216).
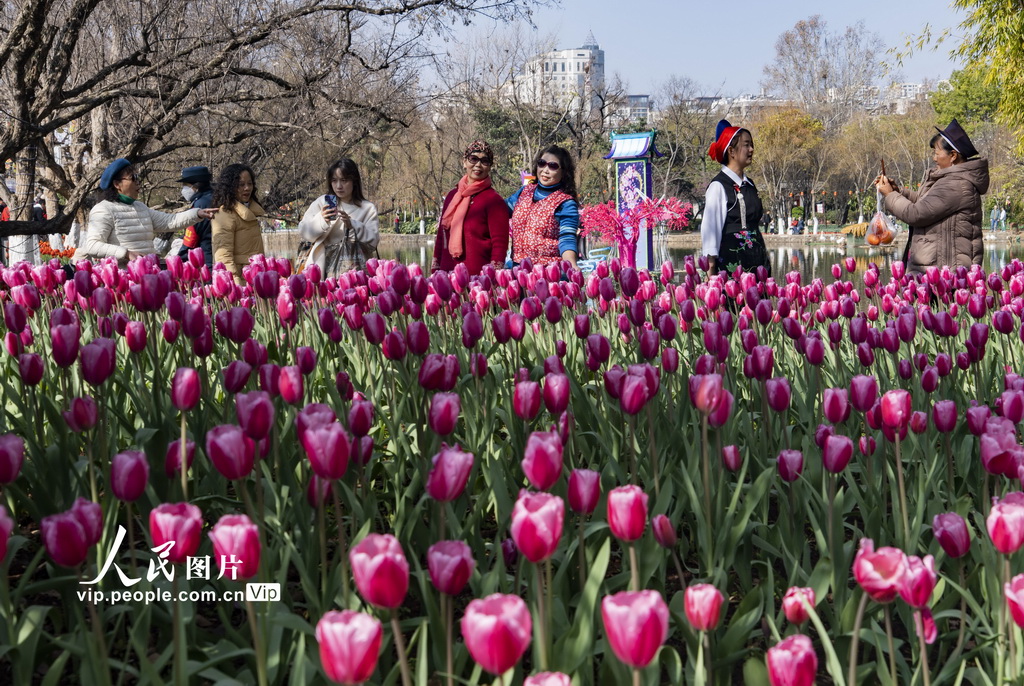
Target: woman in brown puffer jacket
(236, 228)
(945, 216)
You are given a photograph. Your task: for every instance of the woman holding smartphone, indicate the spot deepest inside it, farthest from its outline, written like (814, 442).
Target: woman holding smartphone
(341, 224)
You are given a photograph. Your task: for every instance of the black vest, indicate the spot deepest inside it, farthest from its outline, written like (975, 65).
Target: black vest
(750, 198)
(745, 250)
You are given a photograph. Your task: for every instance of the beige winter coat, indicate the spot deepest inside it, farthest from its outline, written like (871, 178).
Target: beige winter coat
(945, 216)
(237, 236)
(115, 229)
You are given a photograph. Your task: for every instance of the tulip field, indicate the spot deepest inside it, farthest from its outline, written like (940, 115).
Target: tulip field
(529, 476)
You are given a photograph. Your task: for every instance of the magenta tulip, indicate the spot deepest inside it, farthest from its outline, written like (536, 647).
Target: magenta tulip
(627, 512)
(449, 474)
(945, 415)
(6, 527)
(790, 464)
(255, 413)
(179, 524)
(664, 532)
(12, 456)
(896, 408)
(1005, 523)
(497, 630)
(64, 538)
(548, 679)
(231, 451)
(290, 385)
(129, 474)
(99, 360)
(835, 405)
(703, 606)
(360, 417)
(185, 389)
(64, 343)
(172, 458)
(236, 546)
(380, 570)
(879, 572)
(537, 520)
(705, 392)
(82, 415)
(863, 392)
(778, 393)
(542, 459)
(328, 447)
(236, 375)
(584, 490)
(30, 368)
(837, 453)
(792, 662)
(636, 624)
(731, 458)
(793, 604)
(135, 336)
(1014, 592)
(556, 393)
(526, 400)
(444, 411)
(951, 531)
(450, 564)
(349, 645)
(918, 581)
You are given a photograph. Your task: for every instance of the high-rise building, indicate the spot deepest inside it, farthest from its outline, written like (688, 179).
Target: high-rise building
(572, 78)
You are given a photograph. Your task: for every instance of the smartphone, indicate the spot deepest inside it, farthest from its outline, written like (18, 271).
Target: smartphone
(332, 201)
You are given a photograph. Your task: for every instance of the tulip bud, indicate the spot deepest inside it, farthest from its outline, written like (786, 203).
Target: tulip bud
(181, 523)
(291, 385)
(627, 512)
(703, 605)
(231, 451)
(450, 564)
(185, 389)
(837, 453)
(584, 490)
(664, 532)
(450, 473)
(129, 474)
(778, 394)
(731, 458)
(790, 464)
(636, 624)
(793, 604)
(792, 662)
(950, 530)
(542, 459)
(380, 570)
(537, 520)
(497, 630)
(236, 546)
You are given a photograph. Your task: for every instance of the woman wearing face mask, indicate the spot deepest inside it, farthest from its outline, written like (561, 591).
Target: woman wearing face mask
(198, 192)
(236, 229)
(474, 222)
(945, 215)
(121, 226)
(342, 225)
(546, 215)
(730, 236)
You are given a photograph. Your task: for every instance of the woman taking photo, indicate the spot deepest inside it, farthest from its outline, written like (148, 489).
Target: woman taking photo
(729, 232)
(236, 228)
(474, 220)
(342, 225)
(122, 227)
(545, 215)
(945, 215)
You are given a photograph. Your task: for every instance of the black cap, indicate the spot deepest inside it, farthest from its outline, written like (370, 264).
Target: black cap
(193, 174)
(957, 137)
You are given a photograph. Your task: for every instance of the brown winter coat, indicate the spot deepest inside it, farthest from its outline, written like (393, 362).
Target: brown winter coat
(237, 236)
(945, 216)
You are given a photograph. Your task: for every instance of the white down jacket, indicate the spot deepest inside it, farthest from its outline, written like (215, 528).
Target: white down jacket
(115, 229)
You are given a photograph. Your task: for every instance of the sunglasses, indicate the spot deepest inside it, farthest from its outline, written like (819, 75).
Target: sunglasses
(485, 161)
(553, 166)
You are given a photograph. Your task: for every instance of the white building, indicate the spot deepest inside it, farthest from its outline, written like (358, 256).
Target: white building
(571, 78)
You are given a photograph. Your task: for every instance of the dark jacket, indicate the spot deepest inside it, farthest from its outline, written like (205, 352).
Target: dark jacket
(203, 233)
(945, 216)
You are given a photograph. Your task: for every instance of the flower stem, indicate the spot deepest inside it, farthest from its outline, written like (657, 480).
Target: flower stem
(924, 650)
(892, 648)
(851, 679)
(403, 660)
(654, 452)
(636, 677)
(180, 645)
(542, 631)
(582, 551)
(448, 608)
(903, 495)
(342, 552)
(950, 488)
(183, 464)
(707, 486)
(261, 661)
(634, 569)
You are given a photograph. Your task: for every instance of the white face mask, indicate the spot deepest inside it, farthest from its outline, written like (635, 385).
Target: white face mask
(188, 193)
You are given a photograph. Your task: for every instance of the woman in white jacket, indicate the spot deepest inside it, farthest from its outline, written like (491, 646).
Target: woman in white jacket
(341, 225)
(121, 226)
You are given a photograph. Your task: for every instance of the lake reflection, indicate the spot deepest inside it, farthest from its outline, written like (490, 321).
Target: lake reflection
(811, 260)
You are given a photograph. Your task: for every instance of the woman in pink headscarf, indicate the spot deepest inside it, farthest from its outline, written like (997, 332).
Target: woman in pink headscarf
(474, 220)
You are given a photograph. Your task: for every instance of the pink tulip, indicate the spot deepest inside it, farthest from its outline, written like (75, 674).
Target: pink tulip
(380, 570)
(896, 408)
(135, 336)
(633, 394)
(82, 415)
(584, 490)
(99, 360)
(129, 474)
(879, 573)
(526, 400)
(835, 406)
(231, 451)
(778, 393)
(863, 392)
(1014, 592)
(977, 417)
(548, 679)
(705, 392)
(1006, 523)
(945, 415)
(172, 458)
(918, 581)
(290, 385)
(790, 464)
(64, 343)
(255, 413)
(664, 532)
(627, 512)
(185, 389)
(6, 527)
(497, 630)
(64, 538)
(837, 453)
(12, 455)
(450, 564)
(236, 546)
(537, 520)
(793, 604)
(449, 474)
(556, 393)
(178, 523)
(542, 459)
(328, 447)
(636, 624)
(951, 531)
(444, 413)
(703, 606)
(731, 458)
(792, 662)
(30, 368)
(349, 645)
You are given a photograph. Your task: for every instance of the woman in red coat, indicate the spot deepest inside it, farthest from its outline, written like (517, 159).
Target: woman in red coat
(474, 220)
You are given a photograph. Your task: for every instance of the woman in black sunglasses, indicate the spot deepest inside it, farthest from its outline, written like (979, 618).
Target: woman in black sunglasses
(121, 226)
(545, 214)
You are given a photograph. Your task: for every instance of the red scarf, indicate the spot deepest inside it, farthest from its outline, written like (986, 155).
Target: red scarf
(454, 217)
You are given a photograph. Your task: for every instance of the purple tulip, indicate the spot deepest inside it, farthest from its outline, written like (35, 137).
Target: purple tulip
(444, 413)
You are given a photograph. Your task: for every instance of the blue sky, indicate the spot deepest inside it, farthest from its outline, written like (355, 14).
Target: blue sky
(647, 41)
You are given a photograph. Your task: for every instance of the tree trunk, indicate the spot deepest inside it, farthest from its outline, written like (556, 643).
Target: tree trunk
(25, 247)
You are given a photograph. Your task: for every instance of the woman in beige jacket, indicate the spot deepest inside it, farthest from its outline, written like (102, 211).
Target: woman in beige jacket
(945, 215)
(236, 228)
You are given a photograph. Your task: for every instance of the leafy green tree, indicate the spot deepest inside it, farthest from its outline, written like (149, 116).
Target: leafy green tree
(971, 97)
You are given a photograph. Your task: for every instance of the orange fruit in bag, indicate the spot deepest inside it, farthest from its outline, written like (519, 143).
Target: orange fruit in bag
(873, 239)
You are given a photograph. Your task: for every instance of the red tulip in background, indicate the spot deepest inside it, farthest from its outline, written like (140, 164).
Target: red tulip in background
(542, 459)
(1006, 523)
(703, 606)
(636, 624)
(380, 570)
(177, 523)
(627, 512)
(793, 604)
(497, 630)
(896, 408)
(185, 389)
(537, 520)
(448, 476)
(6, 527)
(129, 474)
(236, 546)
(584, 490)
(879, 572)
(450, 564)
(792, 662)
(12, 455)
(951, 531)
(918, 581)
(349, 645)
(291, 385)
(328, 448)
(548, 679)
(664, 531)
(1014, 592)
(172, 459)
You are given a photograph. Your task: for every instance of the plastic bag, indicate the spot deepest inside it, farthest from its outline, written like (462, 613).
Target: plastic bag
(880, 229)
